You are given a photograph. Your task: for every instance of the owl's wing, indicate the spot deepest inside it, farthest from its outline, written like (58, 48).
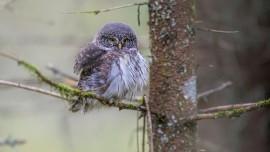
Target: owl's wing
(89, 54)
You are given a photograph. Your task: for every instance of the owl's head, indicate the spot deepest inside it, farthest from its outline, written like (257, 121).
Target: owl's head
(116, 36)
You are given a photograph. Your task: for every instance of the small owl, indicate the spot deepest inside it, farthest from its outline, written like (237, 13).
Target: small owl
(111, 66)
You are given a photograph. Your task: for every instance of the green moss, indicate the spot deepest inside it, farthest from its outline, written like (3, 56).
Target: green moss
(63, 89)
(263, 103)
(95, 12)
(33, 69)
(239, 111)
(230, 113)
(66, 90)
(29, 66)
(127, 106)
(139, 99)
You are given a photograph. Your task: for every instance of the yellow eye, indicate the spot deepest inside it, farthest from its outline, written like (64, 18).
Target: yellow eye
(112, 40)
(126, 41)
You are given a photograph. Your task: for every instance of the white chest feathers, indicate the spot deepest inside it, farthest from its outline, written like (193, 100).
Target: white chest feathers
(126, 76)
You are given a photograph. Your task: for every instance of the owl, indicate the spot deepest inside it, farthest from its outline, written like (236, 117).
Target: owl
(111, 66)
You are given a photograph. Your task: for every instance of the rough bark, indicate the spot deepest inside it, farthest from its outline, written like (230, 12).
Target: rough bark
(172, 74)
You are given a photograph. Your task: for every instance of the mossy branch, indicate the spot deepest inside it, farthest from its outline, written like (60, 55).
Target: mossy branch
(71, 95)
(236, 112)
(68, 93)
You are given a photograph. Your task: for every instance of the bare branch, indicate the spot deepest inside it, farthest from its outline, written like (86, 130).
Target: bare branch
(236, 112)
(137, 131)
(226, 107)
(9, 56)
(55, 70)
(149, 124)
(106, 10)
(211, 91)
(31, 88)
(138, 15)
(143, 135)
(216, 31)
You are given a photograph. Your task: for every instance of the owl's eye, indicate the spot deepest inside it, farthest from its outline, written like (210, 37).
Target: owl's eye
(126, 41)
(113, 40)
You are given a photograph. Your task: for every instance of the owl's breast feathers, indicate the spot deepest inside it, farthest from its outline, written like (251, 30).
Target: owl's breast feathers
(111, 74)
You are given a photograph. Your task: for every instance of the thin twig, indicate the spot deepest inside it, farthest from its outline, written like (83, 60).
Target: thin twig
(31, 88)
(211, 91)
(216, 31)
(106, 10)
(236, 112)
(226, 107)
(143, 136)
(55, 70)
(138, 15)
(9, 56)
(137, 132)
(149, 124)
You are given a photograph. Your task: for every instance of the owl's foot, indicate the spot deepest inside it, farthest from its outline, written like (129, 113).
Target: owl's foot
(76, 107)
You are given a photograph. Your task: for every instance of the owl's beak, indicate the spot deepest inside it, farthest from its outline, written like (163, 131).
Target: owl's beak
(120, 46)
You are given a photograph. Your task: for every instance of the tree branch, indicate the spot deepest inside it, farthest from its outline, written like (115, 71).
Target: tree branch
(71, 95)
(235, 112)
(31, 88)
(68, 93)
(216, 31)
(226, 107)
(149, 124)
(143, 135)
(55, 70)
(227, 111)
(120, 105)
(106, 10)
(211, 91)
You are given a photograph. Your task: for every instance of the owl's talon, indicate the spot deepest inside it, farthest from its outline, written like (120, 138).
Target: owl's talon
(75, 107)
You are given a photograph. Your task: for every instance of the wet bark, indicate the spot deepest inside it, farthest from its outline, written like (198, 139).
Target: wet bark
(172, 74)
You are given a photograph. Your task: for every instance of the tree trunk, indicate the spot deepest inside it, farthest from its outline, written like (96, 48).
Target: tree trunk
(172, 74)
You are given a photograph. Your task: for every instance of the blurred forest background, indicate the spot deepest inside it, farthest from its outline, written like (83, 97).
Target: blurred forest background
(38, 32)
